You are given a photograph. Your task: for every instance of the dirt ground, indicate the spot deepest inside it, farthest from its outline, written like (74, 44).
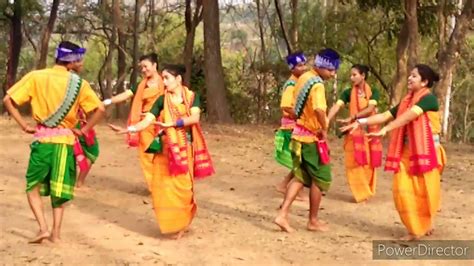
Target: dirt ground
(113, 222)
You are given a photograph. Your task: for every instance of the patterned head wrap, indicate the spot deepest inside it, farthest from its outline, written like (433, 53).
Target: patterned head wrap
(328, 59)
(294, 59)
(68, 55)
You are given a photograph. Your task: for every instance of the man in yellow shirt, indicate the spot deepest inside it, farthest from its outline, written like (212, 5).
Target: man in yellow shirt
(311, 126)
(55, 95)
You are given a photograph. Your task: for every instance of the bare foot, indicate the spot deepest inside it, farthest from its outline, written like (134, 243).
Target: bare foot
(54, 239)
(177, 235)
(82, 188)
(282, 222)
(318, 226)
(429, 232)
(79, 183)
(409, 237)
(322, 222)
(39, 237)
(362, 201)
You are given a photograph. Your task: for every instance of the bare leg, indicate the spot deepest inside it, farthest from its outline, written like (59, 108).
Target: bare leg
(314, 224)
(281, 187)
(82, 175)
(282, 218)
(36, 205)
(57, 220)
(302, 196)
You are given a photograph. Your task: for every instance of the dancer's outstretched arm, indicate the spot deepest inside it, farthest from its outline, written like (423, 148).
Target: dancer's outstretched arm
(365, 112)
(121, 97)
(333, 111)
(400, 121)
(146, 122)
(195, 114)
(97, 115)
(371, 120)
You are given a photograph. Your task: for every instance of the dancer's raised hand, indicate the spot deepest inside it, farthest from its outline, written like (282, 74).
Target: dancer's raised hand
(29, 129)
(350, 128)
(118, 129)
(380, 133)
(345, 121)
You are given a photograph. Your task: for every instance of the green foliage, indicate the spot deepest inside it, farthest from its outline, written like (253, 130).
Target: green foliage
(462, 102)
(172, 35)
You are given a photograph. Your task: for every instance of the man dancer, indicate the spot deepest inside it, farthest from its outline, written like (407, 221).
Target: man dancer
(55, 95)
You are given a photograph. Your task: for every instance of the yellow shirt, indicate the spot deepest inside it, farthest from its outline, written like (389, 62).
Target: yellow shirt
(45, 90)
(316, 100)
(287, 102)
(287, 96)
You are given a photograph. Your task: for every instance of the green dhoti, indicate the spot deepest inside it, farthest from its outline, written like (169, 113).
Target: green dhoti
(53, 167)
(282, 148)
(307, 167)
(92, 151)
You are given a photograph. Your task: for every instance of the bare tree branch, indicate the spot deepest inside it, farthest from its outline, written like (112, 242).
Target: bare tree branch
(283, 27)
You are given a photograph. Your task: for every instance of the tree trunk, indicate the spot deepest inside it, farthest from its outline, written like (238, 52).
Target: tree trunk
(449, 57)
(466, 121)
(217, 105)
(191, 22)
(43, 51)
(400, 80)
(261, 75)
(136, 25)
(412, 21)
(150, 40)
(294, 25)
(108, 67)
(14, 45)
(325, 4)
(281, 19)
(441, 25)
(121, 56)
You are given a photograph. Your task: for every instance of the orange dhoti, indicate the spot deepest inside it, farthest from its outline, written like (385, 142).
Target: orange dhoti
(173, 196)
(417, 197)
(361, 178)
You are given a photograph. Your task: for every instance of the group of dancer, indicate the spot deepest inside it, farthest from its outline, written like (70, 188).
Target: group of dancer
(163, 124)
(414, 153)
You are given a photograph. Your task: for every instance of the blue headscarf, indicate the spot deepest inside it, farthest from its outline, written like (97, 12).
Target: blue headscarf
(328, 59)
(294, 59)
(68, 55)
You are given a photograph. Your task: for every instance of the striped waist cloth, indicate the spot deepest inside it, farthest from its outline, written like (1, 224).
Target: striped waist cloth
(287, 123)
(47, 132)
(302, 131)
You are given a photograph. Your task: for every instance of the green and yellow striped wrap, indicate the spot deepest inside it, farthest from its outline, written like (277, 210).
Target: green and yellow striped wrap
(53, 167)
(282, 148)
